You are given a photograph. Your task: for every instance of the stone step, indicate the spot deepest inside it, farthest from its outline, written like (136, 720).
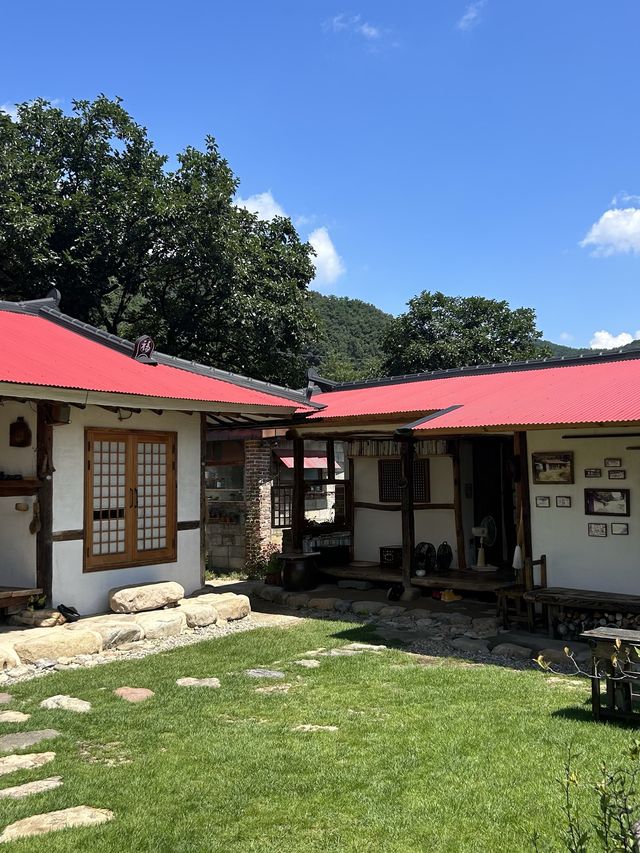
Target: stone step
(21, 740)
(51, 821)
(18, 792)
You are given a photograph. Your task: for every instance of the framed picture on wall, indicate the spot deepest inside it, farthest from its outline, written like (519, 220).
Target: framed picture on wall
(595, 528)
(563, 501)
(606, 501)
(543, 501)
(617, 474)
(619, 528)
(612, 462)
(555, 467)
(592, 473)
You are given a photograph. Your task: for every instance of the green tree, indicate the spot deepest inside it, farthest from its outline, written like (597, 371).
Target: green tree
(88, 205)
(439, 332)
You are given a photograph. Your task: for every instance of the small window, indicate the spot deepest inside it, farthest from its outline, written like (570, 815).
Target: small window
(389, 475)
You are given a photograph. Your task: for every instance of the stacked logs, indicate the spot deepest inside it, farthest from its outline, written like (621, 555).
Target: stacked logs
(570, 623)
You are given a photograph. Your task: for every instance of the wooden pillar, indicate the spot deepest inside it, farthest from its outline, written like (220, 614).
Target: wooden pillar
(297, 517)
(203, 497)
(407, 451)
(44, 534)
(457, 505)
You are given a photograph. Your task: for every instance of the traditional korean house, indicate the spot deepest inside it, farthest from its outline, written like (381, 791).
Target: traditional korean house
(102, 451)
(543, 454)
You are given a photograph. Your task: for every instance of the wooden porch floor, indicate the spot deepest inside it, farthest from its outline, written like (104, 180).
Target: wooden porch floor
(463, 580)
(14, 596)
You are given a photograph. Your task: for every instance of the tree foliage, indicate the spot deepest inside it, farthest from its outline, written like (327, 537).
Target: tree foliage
(439, 332)
(87, 204)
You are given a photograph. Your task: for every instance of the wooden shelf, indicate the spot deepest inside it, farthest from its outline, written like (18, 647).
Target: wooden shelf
(17, 488)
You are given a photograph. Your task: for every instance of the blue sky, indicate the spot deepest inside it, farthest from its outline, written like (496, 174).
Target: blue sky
(488, 147)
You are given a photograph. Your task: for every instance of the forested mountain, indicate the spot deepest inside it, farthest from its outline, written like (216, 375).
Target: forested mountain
(350, 341)
(350, 346)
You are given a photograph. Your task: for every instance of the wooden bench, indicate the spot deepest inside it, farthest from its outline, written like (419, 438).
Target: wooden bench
(557, 598)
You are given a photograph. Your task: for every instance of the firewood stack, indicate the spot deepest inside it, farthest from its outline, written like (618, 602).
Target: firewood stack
(571, 623)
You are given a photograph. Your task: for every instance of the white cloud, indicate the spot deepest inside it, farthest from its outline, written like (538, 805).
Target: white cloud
(10, 110)
(328, 263)
(617, 232)
(264, 204)
(354, 24)
(605, 340)
(566, 336)
(471, 16)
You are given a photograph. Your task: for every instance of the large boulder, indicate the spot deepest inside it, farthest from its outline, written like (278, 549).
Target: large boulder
(37, 618)
(8, 657)
(148, 596)
(54, 643)
(228, 605)
(114, 629)
(198, 614)
(165, 623)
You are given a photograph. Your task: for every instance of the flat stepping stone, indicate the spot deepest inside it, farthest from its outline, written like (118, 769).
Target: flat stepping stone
(134, 694)
(14, 717)
(62, 702)
(198, 682)
(21, 740)
(11, 763)
(264, 673)
(18, 792)
(308, 663)
(39, 824)
(275, 688)
(340, 653)
(5, 698)
(365, 647)
(307, 727)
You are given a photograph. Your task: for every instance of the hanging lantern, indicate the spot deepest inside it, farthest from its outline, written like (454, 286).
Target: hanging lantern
(19, 434)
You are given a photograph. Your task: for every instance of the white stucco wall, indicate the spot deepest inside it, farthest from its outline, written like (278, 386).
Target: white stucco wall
(17, 544)
(374, 528)
(574, 559)
(88, 591)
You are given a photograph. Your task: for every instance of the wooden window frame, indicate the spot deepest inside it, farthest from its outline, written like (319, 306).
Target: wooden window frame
(131, 557)
(425, 475)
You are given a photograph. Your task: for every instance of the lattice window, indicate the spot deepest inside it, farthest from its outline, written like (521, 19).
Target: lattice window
(107, 474)
(389, 475)
(281, 506)
(131, 498)
(152, 496)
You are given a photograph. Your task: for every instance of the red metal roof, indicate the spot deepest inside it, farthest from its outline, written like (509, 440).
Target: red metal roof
(606, 391)
(311, 459)
(37, 351)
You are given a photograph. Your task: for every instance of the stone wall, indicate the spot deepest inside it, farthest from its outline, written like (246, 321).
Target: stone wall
(257, 487)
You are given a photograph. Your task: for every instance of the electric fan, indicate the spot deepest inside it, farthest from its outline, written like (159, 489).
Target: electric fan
(487, 532)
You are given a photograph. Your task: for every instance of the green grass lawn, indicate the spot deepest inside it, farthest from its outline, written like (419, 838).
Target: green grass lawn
(426, 758)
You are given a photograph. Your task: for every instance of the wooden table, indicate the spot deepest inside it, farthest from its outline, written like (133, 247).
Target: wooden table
(619, 696)
(556, 598)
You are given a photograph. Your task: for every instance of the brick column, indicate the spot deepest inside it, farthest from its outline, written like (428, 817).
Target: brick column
(257, 494)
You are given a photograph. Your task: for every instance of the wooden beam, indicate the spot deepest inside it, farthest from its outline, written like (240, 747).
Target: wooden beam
(457, 506)
(298, 494)
(44, 534)
(398, 507)
(67, 535)
(408, 519)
